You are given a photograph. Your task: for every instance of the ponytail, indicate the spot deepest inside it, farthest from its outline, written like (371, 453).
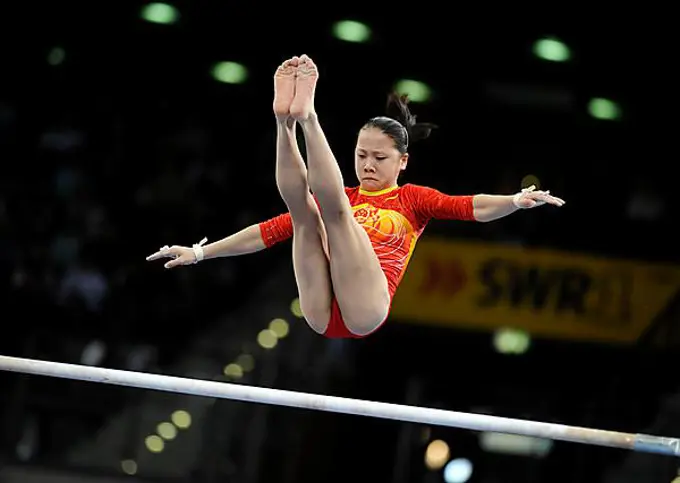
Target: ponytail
(397, 108)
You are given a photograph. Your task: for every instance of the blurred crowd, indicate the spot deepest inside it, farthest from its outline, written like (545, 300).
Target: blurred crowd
(84, 201)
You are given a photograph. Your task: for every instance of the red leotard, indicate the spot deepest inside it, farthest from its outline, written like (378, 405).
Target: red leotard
(394, 218)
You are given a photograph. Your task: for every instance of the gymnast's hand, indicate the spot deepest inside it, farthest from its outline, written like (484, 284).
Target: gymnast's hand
(180, 256)
(529, 198)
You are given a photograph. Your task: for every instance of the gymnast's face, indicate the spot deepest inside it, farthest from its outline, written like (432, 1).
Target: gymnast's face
(377, 161)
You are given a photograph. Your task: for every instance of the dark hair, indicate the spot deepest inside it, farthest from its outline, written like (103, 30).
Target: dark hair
(400, 124)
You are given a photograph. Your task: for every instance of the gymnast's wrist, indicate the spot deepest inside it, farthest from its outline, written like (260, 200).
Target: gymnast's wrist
(199, 253)
(515, 200)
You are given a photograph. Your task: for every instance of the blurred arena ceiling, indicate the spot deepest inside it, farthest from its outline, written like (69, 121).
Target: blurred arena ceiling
(457, 54)
(486, 81)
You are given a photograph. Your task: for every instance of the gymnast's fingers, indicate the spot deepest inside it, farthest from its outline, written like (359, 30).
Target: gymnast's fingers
(164, 252)
(176, 262)
(553, 200)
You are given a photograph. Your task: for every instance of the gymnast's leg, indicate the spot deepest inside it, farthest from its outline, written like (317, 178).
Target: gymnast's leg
(310, 262)
(359, 284)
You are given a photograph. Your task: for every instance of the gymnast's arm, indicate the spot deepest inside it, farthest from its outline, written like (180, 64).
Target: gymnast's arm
(252, 239)
(432, 204)
(243, 242)
(492, 207)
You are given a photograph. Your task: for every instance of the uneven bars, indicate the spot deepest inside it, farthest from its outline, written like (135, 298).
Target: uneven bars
(317, 402)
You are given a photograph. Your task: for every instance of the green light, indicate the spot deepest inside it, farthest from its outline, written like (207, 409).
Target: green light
(160, 13)
(417, 91)
(605, 109)
(230, 72)
(56, 56)
(552, 50)
(351, 31)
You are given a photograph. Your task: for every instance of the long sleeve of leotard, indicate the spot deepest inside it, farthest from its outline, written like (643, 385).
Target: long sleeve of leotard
(430, 203)
(276, 229)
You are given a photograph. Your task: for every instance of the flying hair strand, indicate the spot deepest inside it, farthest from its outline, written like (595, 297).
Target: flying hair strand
(397, 108)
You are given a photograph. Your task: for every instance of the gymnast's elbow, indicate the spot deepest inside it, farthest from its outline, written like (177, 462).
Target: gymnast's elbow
(482, 216)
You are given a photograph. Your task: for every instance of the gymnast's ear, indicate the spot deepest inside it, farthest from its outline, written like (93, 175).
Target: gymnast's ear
(403, 161)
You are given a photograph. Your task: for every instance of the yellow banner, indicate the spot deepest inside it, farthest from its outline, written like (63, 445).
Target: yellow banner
(545, 292)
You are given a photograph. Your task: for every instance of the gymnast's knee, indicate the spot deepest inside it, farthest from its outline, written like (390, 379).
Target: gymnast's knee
(316, 312)
(367, 320)
(305, 214)
(338, 217)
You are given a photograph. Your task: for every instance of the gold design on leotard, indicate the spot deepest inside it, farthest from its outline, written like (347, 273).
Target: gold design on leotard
(391, 234)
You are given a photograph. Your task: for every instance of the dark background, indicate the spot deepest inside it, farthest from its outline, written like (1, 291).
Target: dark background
(129, 144)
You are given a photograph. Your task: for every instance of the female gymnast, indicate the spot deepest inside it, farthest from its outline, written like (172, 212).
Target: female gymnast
(351, 246)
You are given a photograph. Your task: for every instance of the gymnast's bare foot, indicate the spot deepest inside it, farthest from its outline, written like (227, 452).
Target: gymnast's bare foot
(284, 88)
(302, 106)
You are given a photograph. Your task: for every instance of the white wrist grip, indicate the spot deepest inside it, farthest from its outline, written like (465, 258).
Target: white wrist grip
(198, 250)
(515, 200)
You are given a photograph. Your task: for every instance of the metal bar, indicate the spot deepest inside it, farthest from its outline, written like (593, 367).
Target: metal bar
(317, 402)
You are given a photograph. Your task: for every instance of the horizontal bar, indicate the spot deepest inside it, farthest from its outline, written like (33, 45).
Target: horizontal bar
(317, 402)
